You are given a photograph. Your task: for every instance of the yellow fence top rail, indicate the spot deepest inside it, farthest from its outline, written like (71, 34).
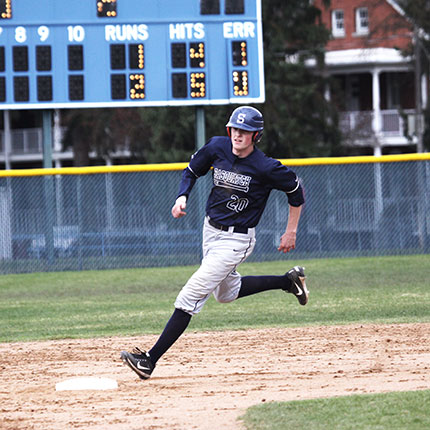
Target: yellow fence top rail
(162, 167)
(356, 160)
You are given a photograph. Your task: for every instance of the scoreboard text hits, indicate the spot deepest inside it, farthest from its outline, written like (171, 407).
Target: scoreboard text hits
(105, 53)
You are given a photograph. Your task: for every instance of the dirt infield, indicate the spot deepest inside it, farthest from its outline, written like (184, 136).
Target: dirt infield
(207, 380)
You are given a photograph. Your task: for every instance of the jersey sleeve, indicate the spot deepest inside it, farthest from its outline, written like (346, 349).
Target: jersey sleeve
(200, 163)
(284, 179)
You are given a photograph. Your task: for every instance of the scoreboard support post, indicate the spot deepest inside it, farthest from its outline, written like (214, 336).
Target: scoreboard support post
(200, 142)
(7, 138)
(47, 138)
(200, 127)
(49, 185)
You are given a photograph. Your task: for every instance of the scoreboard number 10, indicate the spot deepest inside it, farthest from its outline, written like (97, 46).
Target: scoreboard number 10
(76, 33)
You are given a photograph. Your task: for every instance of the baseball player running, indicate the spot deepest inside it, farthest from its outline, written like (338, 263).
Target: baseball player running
(243, 177)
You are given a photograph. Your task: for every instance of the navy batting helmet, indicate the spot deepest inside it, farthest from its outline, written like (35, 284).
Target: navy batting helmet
(249, 119)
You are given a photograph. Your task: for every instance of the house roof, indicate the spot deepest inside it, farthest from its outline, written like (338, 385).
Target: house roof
(365, 56)
(372, 57)
(396, 7)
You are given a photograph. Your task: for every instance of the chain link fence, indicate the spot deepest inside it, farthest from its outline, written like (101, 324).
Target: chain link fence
(105, 218)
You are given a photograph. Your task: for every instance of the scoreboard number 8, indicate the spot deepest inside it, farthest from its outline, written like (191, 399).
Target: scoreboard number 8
(20, 34)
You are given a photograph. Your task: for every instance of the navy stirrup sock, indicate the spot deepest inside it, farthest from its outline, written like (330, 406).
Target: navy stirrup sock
(257, 284)
(179, 320)
(176, 325)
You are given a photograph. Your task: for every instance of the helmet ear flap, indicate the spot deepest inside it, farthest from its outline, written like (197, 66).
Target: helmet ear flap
(257, 136)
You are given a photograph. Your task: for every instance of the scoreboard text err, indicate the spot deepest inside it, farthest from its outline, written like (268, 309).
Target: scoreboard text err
(95, 53)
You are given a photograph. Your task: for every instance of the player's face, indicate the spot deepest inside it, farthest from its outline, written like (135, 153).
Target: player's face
(242, 142)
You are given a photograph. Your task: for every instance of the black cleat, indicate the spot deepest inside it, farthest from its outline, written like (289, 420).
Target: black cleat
(298, 285)
(138, 361)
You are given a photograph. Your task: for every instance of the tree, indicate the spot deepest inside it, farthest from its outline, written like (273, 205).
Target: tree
(171, 134)
(300, 122)
(103, 131)
(418, 12)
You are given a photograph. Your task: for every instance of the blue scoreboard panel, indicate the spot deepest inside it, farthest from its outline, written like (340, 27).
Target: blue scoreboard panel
(106, 53)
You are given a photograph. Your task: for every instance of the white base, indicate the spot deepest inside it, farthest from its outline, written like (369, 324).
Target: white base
(87, 383)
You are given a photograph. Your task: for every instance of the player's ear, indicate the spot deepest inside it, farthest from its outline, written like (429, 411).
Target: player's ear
(229, 131)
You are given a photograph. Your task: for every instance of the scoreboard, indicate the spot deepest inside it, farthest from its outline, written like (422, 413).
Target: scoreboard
(108, 53)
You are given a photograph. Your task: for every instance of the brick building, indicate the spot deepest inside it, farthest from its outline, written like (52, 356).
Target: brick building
(373, 82)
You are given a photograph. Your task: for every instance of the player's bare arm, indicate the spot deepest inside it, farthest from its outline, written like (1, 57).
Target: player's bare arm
(178, 209)
(288, 239)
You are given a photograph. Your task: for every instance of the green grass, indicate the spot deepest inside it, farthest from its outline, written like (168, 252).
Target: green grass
(136, 301)
(393, 411)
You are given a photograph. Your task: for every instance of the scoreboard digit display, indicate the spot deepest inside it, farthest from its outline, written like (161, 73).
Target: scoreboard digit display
(123, 53)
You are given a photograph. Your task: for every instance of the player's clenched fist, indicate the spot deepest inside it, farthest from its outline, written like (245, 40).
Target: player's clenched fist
(288, 242)
(179, 207)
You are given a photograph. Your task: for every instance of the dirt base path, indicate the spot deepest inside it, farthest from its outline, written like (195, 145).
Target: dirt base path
(207, 380)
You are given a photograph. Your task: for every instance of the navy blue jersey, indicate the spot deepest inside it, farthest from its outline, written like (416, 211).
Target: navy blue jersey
(241, 186)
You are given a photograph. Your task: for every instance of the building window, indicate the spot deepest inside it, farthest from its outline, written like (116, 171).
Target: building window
(362, 20)
(337, 23)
